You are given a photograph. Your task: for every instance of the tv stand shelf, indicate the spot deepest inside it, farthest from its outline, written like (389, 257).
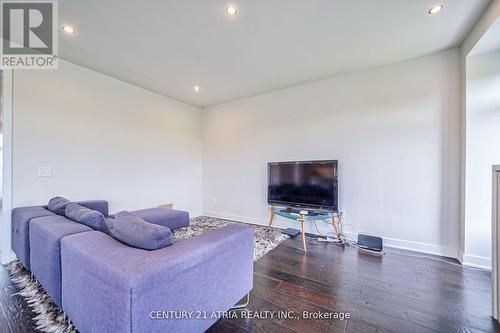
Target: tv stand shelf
(295, 214)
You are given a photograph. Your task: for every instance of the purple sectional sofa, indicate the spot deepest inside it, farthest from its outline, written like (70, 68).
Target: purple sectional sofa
(107, 286)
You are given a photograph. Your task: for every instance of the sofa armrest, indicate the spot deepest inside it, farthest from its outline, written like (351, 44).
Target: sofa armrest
(99, 205)
(208, 273)
(20, 241)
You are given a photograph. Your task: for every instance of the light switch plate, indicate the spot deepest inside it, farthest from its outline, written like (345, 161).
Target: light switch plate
(44, 172)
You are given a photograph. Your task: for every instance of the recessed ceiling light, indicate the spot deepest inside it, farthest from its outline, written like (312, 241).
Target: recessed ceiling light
(435, 9)
(231, 11)
(69, 29)
(196, 88)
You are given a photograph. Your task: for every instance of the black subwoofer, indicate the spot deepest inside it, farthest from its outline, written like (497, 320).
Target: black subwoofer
(371, 243)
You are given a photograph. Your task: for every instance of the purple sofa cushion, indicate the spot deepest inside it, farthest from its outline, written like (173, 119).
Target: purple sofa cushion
(170, 218)
(89, 217)
(134, 231)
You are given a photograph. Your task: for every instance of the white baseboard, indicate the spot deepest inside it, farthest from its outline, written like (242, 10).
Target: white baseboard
(420, 247)
(389, 242)
(476, 261)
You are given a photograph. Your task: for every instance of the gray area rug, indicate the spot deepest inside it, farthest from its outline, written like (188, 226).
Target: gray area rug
(49, 318)
(265, 238)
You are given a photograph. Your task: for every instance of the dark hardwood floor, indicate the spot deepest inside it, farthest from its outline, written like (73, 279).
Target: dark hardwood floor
(382, 293)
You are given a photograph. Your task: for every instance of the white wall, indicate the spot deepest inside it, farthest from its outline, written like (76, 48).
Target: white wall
(394, 129)
(477, 32)
(483, 150)
(6, 253)
(104, 139)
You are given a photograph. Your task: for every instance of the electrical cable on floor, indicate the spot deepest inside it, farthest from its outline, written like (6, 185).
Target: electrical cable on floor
(317, 230)
(316, 242)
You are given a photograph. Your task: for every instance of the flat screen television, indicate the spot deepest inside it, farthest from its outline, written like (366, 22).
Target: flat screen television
(307, 184)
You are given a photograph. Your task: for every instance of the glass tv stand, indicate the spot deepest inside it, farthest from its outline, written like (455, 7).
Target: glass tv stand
(304, 216)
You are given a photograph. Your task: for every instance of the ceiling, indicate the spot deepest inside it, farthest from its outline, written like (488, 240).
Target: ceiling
(169, 46)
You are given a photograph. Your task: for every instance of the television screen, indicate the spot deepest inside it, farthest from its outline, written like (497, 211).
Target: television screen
(305, 184)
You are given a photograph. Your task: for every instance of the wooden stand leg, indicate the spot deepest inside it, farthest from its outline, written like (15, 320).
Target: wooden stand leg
(272, 216)
(336, 225)
(303, 233)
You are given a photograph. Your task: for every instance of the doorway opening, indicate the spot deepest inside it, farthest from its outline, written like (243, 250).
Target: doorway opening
(482, 144)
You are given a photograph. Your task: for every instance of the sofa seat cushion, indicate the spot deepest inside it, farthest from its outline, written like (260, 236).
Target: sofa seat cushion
(89, 217)
(134, 231)
(170, 218)
(45, 250)
(21, 218)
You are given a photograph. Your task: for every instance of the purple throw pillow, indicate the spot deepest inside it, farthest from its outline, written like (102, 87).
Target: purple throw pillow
(89, 217)
(58, 205)
(136, 232)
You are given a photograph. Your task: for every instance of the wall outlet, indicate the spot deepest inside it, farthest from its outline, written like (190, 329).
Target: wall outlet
(44, 172)
(167, 205)
(214, 200)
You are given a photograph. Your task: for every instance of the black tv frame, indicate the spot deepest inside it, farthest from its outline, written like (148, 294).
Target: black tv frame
(298, 204)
